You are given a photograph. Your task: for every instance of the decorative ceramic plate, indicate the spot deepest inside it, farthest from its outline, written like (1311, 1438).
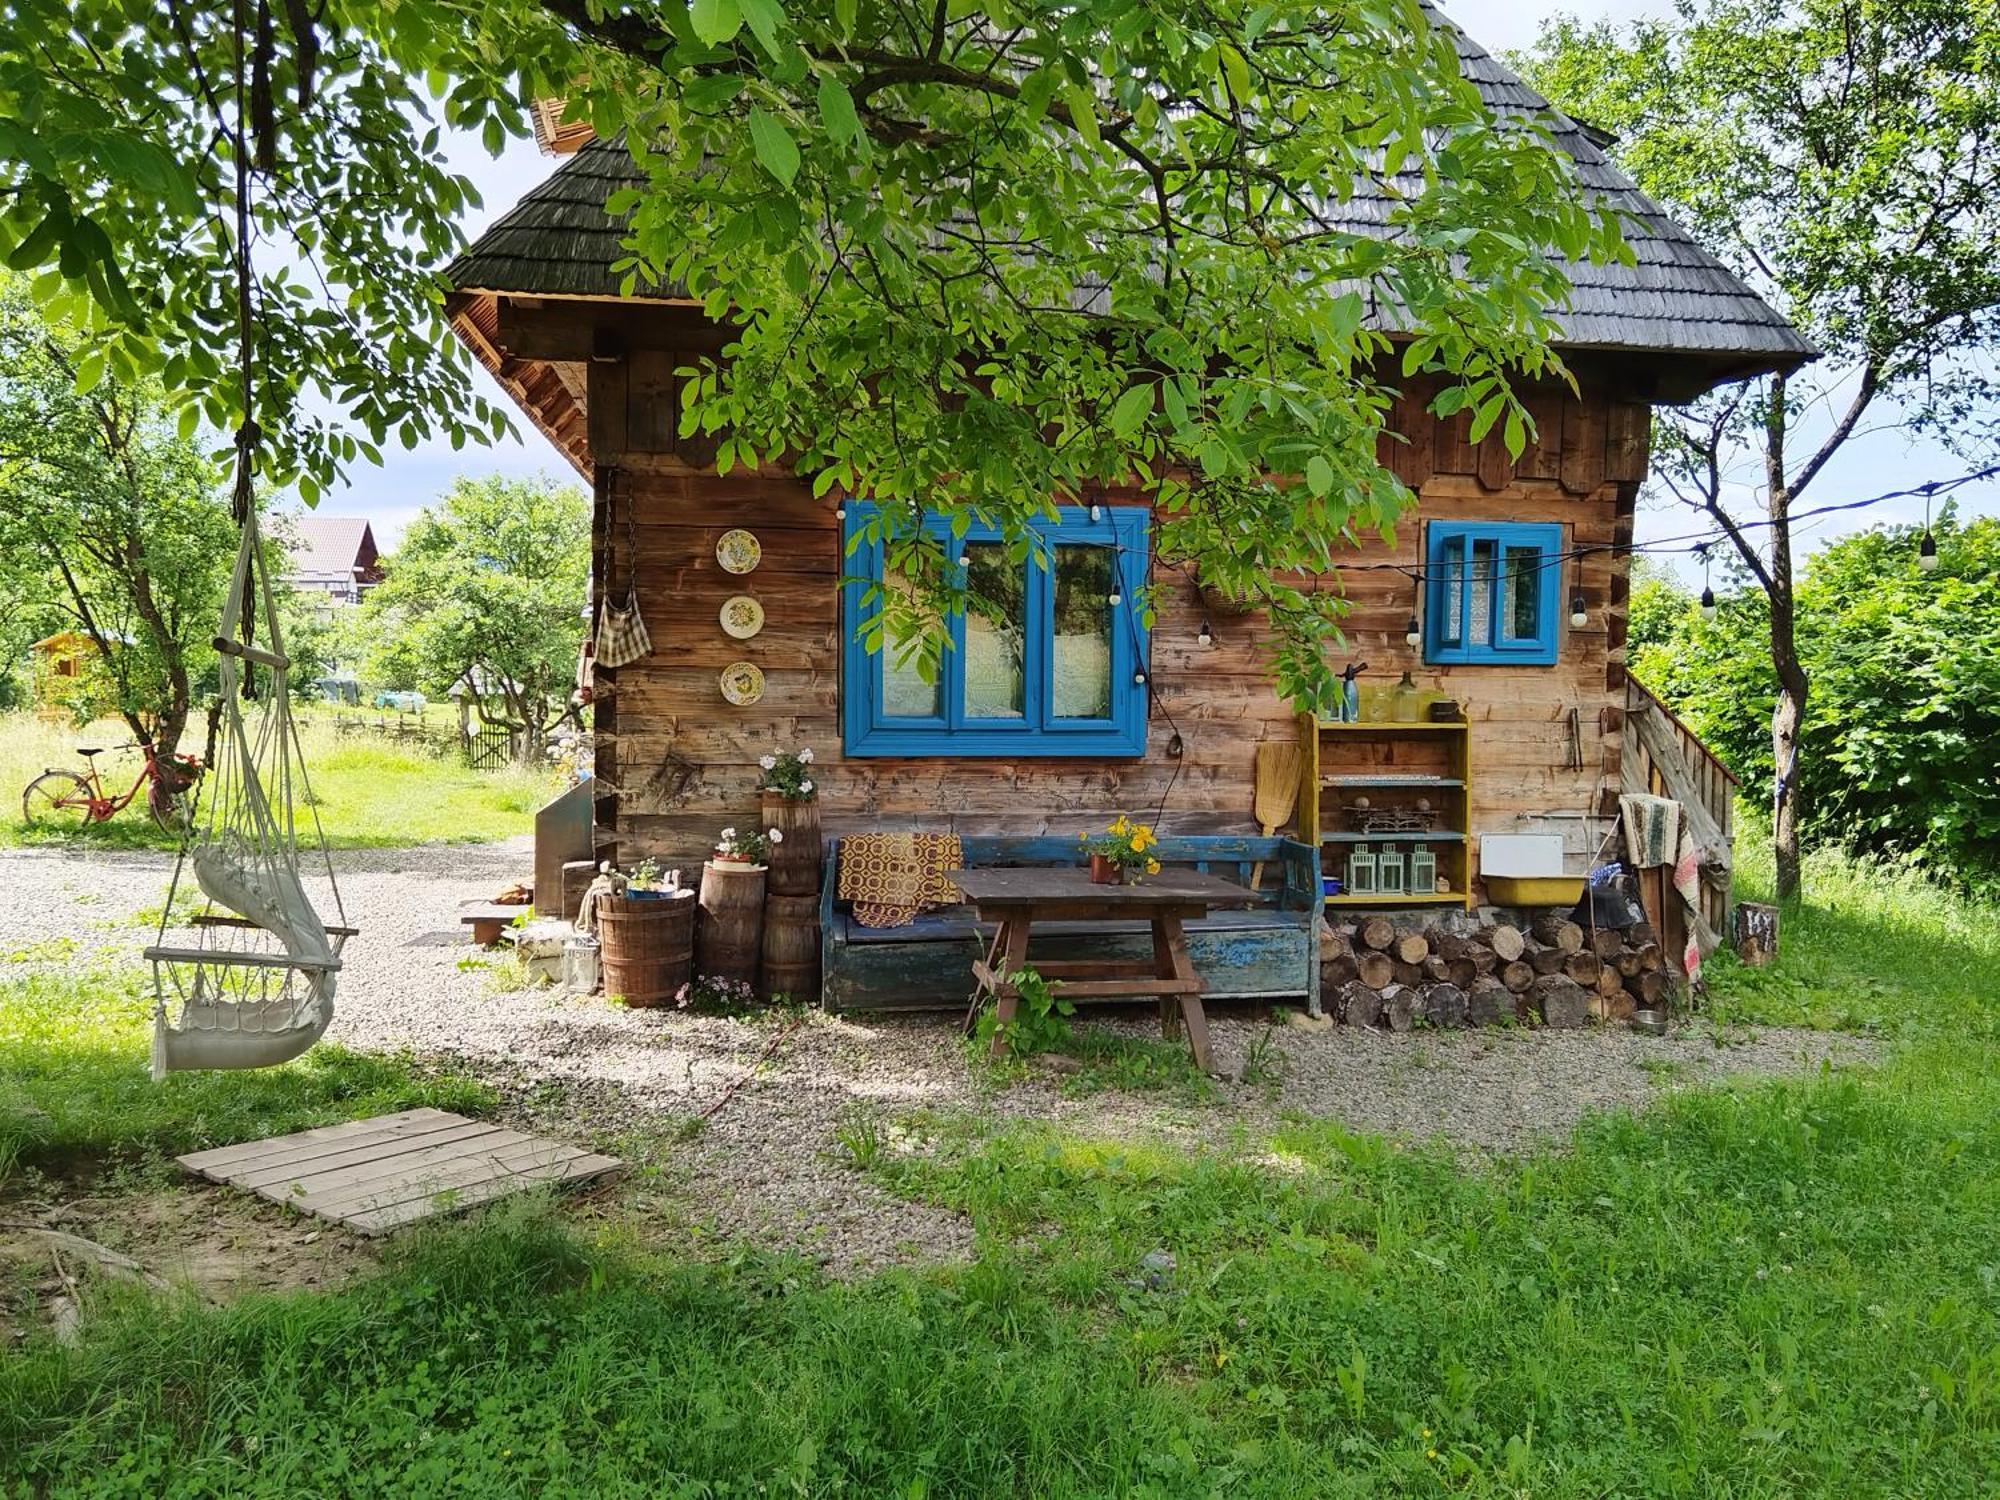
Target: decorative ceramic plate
(738, 551)
(742, 683)
(742, 617)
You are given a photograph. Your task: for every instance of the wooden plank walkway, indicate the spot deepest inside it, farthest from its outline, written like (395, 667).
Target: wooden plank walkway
(377, 1175)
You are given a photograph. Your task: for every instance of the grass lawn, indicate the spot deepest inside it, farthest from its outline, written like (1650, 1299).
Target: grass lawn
(369, 791)
(1781, 1289)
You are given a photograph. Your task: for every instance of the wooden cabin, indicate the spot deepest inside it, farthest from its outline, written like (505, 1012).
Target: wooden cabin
(1066, 735)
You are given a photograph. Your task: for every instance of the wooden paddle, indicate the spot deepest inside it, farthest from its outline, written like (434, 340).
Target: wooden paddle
(1277, 792)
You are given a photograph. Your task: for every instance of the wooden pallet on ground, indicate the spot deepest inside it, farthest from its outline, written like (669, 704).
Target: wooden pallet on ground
(377, 1175)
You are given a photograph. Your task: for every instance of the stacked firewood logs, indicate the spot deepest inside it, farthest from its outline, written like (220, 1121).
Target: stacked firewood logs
(1554, 972)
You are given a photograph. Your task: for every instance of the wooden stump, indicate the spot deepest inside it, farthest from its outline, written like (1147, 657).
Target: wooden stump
(1336, 971)
(1361, 1004)
(1408, 974)
(1584, 968)
(1546, 960)
(1506, 942)
(1557, 931)
(1561, 1002)
(1607, 942)
(1401, 1006)
(1482, 958)
(1374, 969)
(1488, 1002)
(1377, 933)
(1517, 977)
(1649, 989)
(1756, 933)
(1446, 1005)
(1411, 948)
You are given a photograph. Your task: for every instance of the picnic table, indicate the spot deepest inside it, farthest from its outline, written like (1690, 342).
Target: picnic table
(1014, 899)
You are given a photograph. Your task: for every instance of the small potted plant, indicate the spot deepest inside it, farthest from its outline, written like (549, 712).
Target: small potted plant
(790, 794)
(645, 882)
(1122, 853)
(749, 850)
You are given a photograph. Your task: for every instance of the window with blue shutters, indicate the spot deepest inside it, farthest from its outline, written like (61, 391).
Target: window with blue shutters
(1052, 664)
(1491, 592)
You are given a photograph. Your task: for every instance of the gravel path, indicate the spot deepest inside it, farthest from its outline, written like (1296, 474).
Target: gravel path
(768, 1164)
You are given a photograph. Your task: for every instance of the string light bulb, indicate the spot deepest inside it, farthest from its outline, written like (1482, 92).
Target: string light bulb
(1707, 593)
(1205, 636)
(1139, 679)
(1579, 616)
(1413, 633)
(1114, 599)
(1927, 553)
(1096, 512)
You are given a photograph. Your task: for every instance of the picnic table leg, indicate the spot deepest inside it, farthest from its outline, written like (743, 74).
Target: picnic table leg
(1163, 966)
(1012, 939)
(1168, 927)
(993, 949)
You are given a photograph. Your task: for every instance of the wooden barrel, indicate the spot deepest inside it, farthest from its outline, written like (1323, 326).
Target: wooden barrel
(646, 946)
(731, 930)
(791, 948)
(795, 861)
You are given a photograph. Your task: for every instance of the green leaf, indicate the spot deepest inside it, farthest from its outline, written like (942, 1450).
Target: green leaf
(836, 108)
(1083, 112)
(1132, 409)
(1235, 72)
(1319, 474)
(776, 149)
(715, 21)
(845, 14)
(766, 18)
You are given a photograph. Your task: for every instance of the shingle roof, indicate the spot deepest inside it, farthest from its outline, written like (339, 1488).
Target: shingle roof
(327, 546)
(1677, 299)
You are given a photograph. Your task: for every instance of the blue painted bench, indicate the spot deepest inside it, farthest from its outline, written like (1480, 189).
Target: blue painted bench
(1267, 950)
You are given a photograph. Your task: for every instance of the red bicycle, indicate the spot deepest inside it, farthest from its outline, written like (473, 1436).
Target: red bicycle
(64, 800)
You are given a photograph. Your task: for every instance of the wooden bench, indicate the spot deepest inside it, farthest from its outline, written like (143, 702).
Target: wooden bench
(1266, 950)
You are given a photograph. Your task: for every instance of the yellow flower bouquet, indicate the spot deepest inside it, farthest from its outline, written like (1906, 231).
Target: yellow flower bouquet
(1125, 851)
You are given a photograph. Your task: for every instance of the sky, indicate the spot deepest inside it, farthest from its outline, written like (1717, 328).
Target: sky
(1873, 464)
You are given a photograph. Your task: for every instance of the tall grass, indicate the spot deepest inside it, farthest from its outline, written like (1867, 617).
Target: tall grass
(368, 791)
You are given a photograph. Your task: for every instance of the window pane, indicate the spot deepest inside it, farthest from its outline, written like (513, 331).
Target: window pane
(1522, 592)
(1452, 555)
(1479, 624)
(1083, 585)
(995, 675)
(905, 694)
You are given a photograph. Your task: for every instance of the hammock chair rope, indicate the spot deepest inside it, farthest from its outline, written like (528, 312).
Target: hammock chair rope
(249, 982)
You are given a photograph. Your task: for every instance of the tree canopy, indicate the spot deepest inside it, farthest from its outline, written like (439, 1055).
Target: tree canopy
(488, 587)
(1840, 155)
(110, 524)
(1906, 670)
(976, 258)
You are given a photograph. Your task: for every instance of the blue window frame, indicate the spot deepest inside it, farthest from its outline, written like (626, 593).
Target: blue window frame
(1491, 591)
(1052, 671)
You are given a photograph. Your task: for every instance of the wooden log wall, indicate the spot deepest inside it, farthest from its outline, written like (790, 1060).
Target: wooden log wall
(677, 763)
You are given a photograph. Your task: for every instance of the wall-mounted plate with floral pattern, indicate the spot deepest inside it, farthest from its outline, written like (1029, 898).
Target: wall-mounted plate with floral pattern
(738, 551)
(742, 617)
(742, 683)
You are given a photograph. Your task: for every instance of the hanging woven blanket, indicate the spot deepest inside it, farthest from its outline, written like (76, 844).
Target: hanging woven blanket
(1657, 833)
(890, 877)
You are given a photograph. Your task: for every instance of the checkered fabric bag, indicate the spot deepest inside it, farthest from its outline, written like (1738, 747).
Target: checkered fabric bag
(621, 633)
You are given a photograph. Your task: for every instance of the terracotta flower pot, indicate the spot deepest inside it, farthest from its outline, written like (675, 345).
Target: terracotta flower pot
(1106, 871)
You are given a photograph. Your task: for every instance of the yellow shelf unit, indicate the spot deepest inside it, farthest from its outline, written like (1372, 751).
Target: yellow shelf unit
(1396, 763)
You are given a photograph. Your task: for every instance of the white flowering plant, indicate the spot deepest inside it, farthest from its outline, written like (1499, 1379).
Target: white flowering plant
(751, 848)
(788, 773)
(713, 992)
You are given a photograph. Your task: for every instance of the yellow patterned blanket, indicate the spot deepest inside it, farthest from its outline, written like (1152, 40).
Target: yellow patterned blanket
(890, 877)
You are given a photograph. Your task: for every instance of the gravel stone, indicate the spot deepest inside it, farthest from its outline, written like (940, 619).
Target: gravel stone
(773, 1164)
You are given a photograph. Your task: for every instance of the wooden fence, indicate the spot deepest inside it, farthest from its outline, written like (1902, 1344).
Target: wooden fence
(1663, 756)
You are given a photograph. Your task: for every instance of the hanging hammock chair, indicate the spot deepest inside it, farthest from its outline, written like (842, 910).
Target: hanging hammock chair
(249, 982)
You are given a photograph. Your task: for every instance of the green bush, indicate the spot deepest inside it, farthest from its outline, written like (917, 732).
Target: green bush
(1903, 725)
